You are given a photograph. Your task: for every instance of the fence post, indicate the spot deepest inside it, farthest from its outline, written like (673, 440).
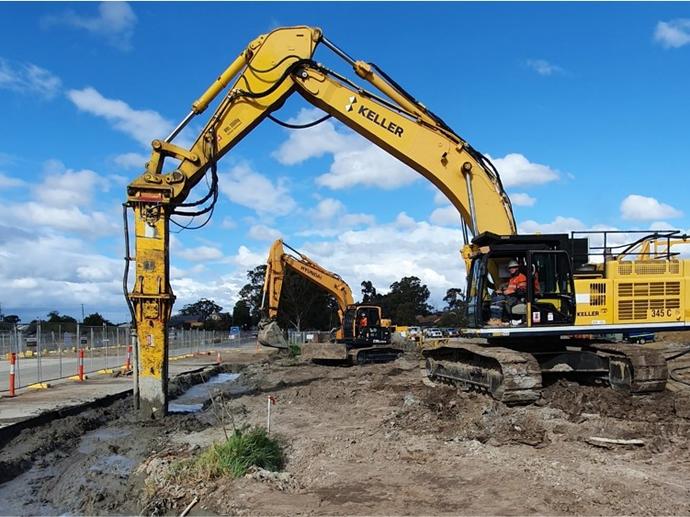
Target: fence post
(61, 340)
(105, 341)
(13, 361)
(91, 343)
(80, 365)
(17, 349)
(38, 351)
(135, 367)
(128, 363)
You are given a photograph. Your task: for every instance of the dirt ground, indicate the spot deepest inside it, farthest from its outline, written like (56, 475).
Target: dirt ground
(367, 440)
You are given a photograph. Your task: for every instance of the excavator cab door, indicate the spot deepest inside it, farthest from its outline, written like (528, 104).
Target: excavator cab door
(476, 282)
(550, 288)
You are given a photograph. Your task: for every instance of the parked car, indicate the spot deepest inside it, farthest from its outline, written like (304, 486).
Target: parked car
(433, 333)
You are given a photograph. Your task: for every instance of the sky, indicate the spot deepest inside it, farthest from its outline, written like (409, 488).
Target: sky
(582, 107)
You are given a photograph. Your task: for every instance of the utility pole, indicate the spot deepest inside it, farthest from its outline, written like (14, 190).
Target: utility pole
(82, 313)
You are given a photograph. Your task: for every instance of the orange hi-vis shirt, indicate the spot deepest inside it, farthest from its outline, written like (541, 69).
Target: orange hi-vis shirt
(518, 281)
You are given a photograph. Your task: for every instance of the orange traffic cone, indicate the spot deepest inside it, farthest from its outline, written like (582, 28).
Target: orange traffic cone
(218, 358)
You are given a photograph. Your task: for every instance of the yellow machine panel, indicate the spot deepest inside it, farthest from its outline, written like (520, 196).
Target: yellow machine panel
(635, 292)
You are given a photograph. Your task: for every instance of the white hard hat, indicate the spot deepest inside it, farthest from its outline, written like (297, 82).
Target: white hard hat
(513, 263)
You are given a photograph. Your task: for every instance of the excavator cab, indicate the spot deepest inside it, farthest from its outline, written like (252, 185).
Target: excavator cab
(363, 325)
(543, 286)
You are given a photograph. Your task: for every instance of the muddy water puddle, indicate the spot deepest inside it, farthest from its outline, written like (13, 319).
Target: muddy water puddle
(197, 397)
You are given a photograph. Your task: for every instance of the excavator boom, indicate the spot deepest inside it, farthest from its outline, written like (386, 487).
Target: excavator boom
(256, 83)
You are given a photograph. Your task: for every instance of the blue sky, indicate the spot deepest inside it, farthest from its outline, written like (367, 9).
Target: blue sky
(582, 106)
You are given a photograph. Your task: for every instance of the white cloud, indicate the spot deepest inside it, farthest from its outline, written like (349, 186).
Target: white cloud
(58, 200)
(29, 79)
(404, 221)
(559, 225)
(522, 199)
(45, 272)
(642, 208)
(327, 209)
(246, 187)
(9, 182)
(673, 34)
(87, 224)
(413, 248)
(543, 67)
(115, 22)
(516, 170)
(446, 216)
(356, 161)
(228, 223)
(249, 259)
(440, 198)
(313, 142)
(142, 125)
(200, 253)
(661, 225)
(330, 217)
(369, 166)
(131, 160)
(261, 232)
(67, 187)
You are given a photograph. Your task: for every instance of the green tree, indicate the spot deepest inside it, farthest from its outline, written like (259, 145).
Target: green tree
(407, 299)
(305, 305)
(369, 293)
(454, 314)
(252, 292)
(96, 320)
(55, 317)
(222, 321)
(9, 321)
(241, 314)
(203, 309)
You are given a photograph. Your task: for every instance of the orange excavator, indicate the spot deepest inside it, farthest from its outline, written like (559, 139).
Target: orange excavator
(363, 336)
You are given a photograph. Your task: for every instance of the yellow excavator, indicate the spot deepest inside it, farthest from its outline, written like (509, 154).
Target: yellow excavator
(576, 288)
(362, 337)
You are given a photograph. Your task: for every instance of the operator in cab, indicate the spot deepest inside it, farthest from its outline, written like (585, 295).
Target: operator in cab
(507, 296)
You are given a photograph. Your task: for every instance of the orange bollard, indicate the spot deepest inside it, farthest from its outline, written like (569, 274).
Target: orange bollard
(80, 367)
(13, 361)
(128, 364)
(218, 358)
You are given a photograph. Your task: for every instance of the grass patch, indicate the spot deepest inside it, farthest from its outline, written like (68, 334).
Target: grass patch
(294, 350)
(244, 448)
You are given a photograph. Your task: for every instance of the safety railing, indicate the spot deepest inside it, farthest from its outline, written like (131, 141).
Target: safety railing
(50, 352)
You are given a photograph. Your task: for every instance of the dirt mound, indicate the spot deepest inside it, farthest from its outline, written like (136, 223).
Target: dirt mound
(575, 399)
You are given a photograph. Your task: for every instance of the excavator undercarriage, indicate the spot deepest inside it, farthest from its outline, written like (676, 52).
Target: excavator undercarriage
(516, 376)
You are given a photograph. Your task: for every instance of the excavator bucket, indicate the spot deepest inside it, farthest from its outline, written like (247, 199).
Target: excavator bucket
(270, 334)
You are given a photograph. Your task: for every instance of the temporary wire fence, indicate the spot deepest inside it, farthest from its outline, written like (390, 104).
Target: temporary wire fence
(50, 351)
(298, 337)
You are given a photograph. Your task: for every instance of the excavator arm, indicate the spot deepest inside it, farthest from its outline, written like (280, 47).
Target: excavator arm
(269, 70)
(276, 266)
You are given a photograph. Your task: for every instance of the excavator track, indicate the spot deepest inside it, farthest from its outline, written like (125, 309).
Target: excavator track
(634, 368)
(375, 354)
(507, 375)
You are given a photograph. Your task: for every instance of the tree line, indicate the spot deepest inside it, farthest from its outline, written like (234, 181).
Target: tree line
(55, 321)
(304, 305)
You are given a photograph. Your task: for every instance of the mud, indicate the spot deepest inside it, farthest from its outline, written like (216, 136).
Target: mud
(366, 440)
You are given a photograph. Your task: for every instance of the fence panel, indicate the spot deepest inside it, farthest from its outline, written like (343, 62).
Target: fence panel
(50, 351)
